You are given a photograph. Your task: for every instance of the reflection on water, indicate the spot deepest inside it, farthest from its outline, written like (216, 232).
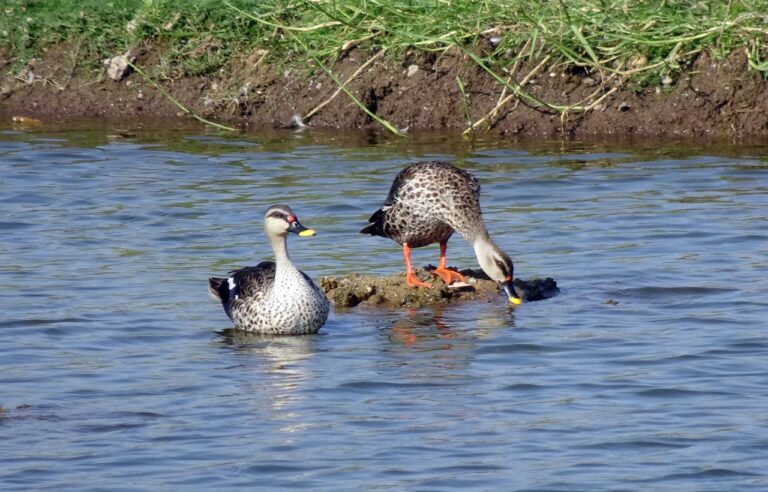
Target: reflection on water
(419, 327)
(285, 363)
(646, 372)
(280, 352)
(425, 328)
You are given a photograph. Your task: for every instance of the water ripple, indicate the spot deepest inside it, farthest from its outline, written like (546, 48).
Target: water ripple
(647, 372)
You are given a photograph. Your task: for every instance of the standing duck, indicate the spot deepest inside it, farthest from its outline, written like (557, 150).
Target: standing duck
(430, 200)
(273, 298)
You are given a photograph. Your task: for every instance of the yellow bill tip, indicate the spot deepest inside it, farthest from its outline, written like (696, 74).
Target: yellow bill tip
(307, 232)
(515, 301)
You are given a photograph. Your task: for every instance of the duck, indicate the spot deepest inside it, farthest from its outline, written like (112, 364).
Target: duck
(273, 297)
(427, 203)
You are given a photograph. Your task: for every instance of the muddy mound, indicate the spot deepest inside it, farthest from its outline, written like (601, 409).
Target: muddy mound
(392, 291)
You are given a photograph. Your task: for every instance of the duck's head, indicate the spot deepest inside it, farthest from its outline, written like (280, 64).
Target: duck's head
(498, 266)
(279, 220)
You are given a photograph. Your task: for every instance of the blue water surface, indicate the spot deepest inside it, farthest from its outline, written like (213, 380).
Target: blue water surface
(648, 372)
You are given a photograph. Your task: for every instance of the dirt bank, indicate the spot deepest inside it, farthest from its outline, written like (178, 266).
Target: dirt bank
(712, 98)
(392, 291)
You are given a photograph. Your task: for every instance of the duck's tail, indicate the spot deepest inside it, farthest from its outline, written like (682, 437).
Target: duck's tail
(218, 288)
(376, 224)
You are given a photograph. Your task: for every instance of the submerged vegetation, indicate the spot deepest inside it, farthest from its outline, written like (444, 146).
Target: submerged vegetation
(641, 39)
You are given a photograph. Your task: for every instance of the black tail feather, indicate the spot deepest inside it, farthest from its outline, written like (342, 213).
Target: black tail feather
(376, 225)
(219, 289)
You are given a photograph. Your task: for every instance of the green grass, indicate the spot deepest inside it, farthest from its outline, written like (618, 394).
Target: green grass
(28, 27)
(638, 40)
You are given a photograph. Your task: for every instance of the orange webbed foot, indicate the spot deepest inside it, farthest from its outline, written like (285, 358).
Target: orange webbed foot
(448, 276)
(413, 281)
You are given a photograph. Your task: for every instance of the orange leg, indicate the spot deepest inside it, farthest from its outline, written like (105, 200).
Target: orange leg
(448, 276)
(410, 278)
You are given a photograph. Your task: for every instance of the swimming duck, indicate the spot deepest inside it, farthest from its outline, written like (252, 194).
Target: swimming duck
(274, 298)
(428, 201)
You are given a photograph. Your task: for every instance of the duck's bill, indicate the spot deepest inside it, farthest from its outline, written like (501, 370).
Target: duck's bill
(299, 229)
(510, 290)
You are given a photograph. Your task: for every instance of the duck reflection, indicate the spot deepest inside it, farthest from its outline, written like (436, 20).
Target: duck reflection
(422, 326)
(439, 345)
(282, 361)
(441, 327)
(279, 351)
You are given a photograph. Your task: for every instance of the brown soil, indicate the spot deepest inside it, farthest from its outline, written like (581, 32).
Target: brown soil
(715, 98)
(392, 292)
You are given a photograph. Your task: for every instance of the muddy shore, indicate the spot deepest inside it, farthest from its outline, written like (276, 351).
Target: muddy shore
(711, 98)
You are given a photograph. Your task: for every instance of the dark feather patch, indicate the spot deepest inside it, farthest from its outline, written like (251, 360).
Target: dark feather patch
(376, 226)
(249, 279)
(250, 282)
(215, 285)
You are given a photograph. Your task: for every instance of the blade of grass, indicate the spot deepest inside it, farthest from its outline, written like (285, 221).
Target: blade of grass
(516, 88)
(507, 98)
(579, 35)
(177, 103)
(281, 26)
(386, 124)
(362, 67)
(465, 100)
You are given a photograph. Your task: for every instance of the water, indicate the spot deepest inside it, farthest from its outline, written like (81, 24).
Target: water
(647, 373)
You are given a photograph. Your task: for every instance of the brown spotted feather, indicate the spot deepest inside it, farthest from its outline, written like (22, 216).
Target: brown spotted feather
(427, 202)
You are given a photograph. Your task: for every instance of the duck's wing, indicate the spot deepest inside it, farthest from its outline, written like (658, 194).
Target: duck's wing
(400, 180)
(436, 176)
(254, 282)
(246, 283)
(375, 225)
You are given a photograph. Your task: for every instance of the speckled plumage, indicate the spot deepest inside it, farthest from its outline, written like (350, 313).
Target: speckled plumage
(272, 298)
(428, 201)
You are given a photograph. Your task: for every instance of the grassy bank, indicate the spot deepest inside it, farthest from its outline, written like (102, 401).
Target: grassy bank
(645, 40)
(614, 49)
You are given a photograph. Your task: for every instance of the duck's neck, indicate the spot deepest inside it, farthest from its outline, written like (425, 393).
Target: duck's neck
(483, 244)
(280, 248)
(471, 228)
(477, 235)
(486, 252)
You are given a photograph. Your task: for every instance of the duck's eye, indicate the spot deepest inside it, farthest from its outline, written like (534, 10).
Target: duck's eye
(502, 267)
